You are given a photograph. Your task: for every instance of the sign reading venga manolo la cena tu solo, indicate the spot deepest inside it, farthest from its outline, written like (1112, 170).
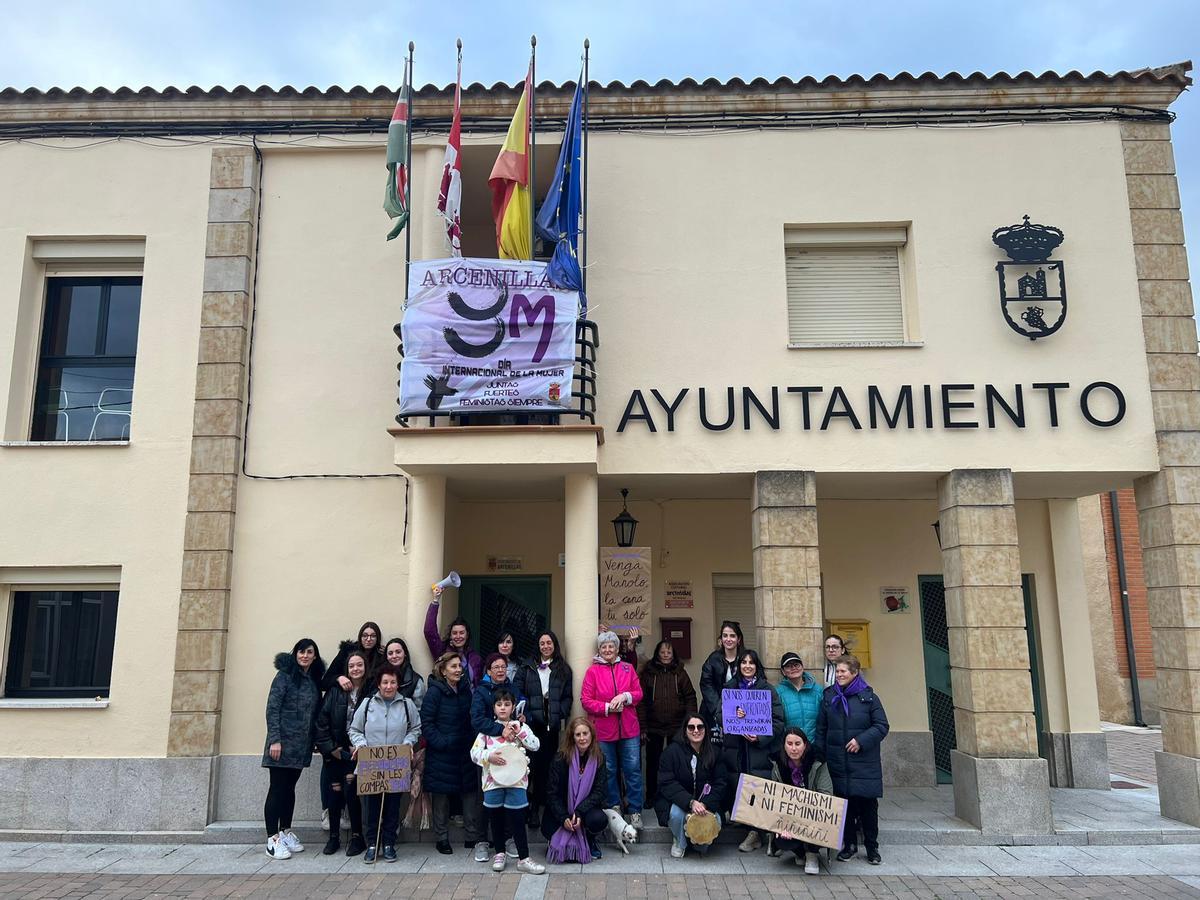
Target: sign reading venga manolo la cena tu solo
(486, 335)
(625, 587)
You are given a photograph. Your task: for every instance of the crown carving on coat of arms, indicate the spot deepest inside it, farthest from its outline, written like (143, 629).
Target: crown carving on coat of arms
(1027, 242)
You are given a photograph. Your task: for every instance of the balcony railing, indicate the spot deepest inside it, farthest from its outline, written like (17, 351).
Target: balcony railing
(583, 391)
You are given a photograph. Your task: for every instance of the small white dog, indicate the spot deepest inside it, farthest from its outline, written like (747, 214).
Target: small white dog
(622, 832)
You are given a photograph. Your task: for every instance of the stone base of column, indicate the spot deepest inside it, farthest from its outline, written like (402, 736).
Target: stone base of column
(1002, 796)
(1178, 787)
(1077, 759)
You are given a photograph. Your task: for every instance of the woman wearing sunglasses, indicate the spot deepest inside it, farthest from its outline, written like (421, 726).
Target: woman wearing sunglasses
(691, 781)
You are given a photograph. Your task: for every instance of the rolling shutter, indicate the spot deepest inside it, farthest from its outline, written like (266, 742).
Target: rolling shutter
(733, 599)
(844, 294)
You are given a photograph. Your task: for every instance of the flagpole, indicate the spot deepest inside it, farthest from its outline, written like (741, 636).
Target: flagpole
(408, 180)
(532, 144)
(587, 169)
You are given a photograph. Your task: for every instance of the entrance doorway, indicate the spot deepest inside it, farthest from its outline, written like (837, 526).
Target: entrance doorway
(495, 604)
(940, 696)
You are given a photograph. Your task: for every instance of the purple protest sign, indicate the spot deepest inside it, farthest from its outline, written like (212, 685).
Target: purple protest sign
(755, 707)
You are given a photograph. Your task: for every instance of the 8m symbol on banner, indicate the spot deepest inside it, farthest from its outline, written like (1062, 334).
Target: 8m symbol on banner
(544, 309)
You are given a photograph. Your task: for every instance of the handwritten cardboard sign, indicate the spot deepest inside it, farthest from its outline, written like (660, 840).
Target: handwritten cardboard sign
(386, 769)
(757, 708)
(625, 587)
(782, 808)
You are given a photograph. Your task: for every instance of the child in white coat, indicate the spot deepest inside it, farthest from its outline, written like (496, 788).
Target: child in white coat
(505, 782)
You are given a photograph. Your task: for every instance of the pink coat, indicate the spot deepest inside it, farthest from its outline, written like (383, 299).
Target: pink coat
(601, 683)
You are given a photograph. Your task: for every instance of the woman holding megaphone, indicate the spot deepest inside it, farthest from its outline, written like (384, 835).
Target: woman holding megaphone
(457, 639)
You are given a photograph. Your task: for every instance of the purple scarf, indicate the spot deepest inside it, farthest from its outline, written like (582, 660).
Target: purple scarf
(572, 846)
(842, 695)
(796, 770)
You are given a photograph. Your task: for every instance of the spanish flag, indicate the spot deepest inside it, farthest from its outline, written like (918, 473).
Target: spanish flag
(512, 202)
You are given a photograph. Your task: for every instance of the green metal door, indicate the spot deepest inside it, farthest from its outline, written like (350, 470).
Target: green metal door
(936, 643)
(1031, 634)
(495, 604)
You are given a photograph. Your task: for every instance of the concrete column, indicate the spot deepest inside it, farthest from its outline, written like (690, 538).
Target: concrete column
(216, 450)
(426, 559)
(787, 567)
(1169, 500)
(581, 610)
(1080, 751)
(1000, 784)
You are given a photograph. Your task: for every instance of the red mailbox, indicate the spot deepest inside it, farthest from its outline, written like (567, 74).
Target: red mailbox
(679, 633)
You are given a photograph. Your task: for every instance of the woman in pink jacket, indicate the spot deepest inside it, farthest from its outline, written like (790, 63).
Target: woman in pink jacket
(610, 694)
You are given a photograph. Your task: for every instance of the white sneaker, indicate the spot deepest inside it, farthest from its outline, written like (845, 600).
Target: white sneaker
(529, 867)
(276, 849)
(750, 843)
(291, 841)
(482, 851)
(324, 820)
(812, 866)
(510, 847)
(498, 862)
(677, 852)
(345, 820)
(635, 819)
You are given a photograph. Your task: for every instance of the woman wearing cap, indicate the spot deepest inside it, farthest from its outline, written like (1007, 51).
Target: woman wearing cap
(668, 698)
(799, 693)
(751, 754)
(610, 695)
(850, 727)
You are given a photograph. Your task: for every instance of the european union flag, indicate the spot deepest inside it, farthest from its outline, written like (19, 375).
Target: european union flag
(558, 219)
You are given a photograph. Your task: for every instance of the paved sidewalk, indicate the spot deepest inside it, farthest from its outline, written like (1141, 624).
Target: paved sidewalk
(378, 886)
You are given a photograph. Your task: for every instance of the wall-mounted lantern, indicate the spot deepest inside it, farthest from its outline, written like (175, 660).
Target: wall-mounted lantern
(625, 525)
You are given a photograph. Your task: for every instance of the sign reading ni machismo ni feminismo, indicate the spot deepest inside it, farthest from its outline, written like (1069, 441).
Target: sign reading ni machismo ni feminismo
(385, 769)
(486, 335)
(625, 587)
(781, 808)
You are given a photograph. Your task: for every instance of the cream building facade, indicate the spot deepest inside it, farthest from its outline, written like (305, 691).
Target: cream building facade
(256, 487)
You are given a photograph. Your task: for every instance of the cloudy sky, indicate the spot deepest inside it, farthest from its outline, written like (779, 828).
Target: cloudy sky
(255, 42)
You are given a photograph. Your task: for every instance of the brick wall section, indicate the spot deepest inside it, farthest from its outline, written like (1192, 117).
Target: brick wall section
(216, 456)
(1169, 500)
(1139, 613)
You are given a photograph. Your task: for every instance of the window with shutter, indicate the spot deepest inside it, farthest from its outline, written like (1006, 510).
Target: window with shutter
(844, 293)
(733, 599)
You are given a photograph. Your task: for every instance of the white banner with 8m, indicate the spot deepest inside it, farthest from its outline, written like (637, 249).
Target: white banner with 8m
(486, 335)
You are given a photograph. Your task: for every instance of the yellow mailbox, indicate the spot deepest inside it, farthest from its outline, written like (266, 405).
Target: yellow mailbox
(857, 635)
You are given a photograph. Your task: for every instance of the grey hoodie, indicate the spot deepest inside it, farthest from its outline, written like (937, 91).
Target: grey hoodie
(378, 722)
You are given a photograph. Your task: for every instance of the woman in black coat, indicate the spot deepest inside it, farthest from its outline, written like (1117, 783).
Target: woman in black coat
(446, 727)
(720, 666)
(547, 685)
(683, 790)
(753, 754)
(368, 641)
(333, 740)
(292, 705)
(579, 745)
(850, 727)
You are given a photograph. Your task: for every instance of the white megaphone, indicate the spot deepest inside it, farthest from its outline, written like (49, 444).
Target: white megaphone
(451, 580)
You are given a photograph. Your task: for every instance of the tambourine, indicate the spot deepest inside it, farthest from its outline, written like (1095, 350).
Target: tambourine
(702, 829)
(516, 765)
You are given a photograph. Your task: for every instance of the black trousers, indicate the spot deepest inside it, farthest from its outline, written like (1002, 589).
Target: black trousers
(594, 823)
(508, 823)
(539, 763)
(281, 799)
(862, 813)
(656, 745)
(343, 794)
(382, 833)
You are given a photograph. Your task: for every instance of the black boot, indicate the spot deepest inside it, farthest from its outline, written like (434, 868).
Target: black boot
(333, 845)
(357, 845)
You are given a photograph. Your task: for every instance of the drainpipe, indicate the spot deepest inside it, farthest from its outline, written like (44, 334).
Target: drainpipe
(1130, 653)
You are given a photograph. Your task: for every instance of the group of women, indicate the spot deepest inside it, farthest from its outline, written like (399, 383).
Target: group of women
(495, 743)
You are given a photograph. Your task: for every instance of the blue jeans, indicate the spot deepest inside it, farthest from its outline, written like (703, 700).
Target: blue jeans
(677, 820)
(624, 759)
